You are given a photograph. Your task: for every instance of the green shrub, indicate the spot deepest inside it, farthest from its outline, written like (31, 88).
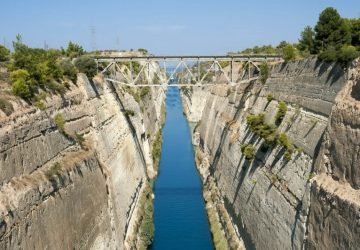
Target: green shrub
(60, 122)
(329, 55)
(269, 97)
(274, 179)
(86, 65)
(288, 53)
(143, 51)
(284, 141)
(248, 150)
(144, 91)
(6, 106)
(282, 109)
(69, 69)
(73, 50)
(255, 120)
(40, 105)
(20, 88)
(4, 53)
(156, 149)
(129, 112)
(22, 84)
(311, 175)
(264, 72)
(287, 155)
(53, 170)
(347, 54)
(80, 139)
(266, 131)
(57, 87)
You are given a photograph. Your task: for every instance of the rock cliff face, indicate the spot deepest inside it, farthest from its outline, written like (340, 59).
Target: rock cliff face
(276, 202)
(76, 187)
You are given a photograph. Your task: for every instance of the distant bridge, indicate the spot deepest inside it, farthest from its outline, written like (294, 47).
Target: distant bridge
(139, 71)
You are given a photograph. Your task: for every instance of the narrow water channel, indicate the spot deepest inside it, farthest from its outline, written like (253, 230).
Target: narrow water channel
(179, 209)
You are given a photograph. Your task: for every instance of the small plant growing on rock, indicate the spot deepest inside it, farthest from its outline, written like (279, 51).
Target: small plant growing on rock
(287, 155)
(60, 122)
(269, 97)
(274, 179)
(6, 106)
(284, 141)
(248, 150)
(80, 139)
(311, 175)
(40, 105)
(129, 112)
(144, 91)
(282, 108)
(53, 170)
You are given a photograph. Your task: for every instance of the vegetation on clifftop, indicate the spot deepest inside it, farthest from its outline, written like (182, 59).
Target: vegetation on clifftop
(333, 39)
(34, 70)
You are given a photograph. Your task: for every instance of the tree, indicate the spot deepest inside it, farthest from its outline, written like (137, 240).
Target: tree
(306, 42)
(288, 53)
(331, 30)
(86, 65)
(347, 54)
(4, 53)
(329, 55)
(74, 50)
(143, 51)
(68, 69)
(355, 31)
(21, 83)
(282, 44)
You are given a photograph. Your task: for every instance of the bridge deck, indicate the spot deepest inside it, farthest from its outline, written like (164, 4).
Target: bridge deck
(241, 57)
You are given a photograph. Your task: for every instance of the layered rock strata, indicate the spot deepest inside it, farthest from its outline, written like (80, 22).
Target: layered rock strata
(307, 200)
(76, 187)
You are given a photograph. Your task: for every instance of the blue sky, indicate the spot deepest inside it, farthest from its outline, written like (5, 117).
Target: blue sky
(164, 26)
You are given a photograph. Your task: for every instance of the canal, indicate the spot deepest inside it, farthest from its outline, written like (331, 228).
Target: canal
(179, 209)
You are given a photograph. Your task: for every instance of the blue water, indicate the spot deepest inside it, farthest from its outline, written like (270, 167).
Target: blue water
(179, 210)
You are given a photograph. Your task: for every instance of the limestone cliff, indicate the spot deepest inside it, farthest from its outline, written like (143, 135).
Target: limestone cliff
(273, 198)
(76, 187)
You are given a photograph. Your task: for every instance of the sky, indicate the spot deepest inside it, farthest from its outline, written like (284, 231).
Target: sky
(181, 27)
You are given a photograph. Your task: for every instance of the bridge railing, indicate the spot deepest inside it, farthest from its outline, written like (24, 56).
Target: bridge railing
(120, 69)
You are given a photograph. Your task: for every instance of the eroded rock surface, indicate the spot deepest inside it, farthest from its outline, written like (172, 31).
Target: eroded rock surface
(276, 202)
(76, 189)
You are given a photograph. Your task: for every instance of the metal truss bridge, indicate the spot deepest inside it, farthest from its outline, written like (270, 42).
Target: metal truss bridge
(140, 71)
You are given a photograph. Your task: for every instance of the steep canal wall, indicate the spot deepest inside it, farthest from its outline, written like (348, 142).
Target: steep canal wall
(72, 175)
(286, 171)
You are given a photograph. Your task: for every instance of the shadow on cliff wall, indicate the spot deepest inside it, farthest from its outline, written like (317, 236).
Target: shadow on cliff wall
(246, 237)
(131, 126)
(225, 131)
(355, 92)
